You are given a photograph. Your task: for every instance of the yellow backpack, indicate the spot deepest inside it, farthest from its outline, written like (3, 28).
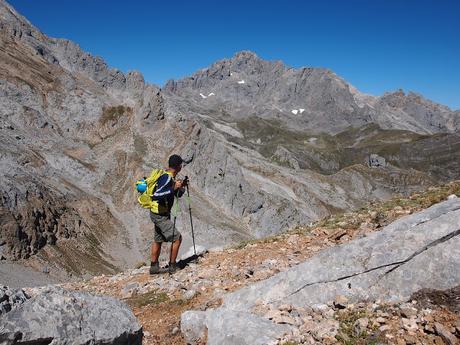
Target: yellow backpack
(145, 199)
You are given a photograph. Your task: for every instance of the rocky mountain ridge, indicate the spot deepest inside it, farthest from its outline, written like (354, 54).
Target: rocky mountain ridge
(75, 134)
(307, 98)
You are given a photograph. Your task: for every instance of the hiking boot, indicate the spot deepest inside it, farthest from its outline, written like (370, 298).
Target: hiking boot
(155, 268)
(172, 267)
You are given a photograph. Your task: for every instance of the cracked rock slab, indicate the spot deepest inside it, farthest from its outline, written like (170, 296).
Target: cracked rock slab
(415, 252)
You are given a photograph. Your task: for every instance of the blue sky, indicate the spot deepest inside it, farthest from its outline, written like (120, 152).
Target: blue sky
(377, 45)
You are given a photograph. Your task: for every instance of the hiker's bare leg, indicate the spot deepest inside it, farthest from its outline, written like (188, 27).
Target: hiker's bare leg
(175, 249)
(156, 249)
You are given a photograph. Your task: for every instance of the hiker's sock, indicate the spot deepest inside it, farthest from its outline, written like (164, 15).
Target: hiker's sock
(153, 263)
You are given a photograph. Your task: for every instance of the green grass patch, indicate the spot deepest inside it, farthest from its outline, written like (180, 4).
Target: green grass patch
(153, 297)
(140, 264)
(244, 244)
(347, 334)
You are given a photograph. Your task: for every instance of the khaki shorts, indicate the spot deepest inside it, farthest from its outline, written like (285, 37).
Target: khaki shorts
(164, 228)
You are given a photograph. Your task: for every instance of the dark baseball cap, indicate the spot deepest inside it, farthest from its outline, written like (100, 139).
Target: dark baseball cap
(175, 161)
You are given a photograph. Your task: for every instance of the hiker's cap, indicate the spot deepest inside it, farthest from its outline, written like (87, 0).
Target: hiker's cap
(175, 161)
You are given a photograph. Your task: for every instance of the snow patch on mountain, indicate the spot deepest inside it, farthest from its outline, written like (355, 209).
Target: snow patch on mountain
(209, 95)
(297, 111)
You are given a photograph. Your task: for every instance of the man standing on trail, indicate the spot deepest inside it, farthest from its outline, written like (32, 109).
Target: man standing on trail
(167, 189)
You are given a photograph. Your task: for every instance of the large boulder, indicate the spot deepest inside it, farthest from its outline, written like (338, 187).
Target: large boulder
(11, 298)
(56, 316)
(376, 161)
(415, 252)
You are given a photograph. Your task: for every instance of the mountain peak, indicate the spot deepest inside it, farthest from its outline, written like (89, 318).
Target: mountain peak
(412, 98)
(245, 54)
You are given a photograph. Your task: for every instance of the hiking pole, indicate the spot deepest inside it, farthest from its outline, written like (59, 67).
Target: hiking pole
(190, 212)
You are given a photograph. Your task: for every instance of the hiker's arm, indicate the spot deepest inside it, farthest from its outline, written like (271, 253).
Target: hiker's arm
(164, 188)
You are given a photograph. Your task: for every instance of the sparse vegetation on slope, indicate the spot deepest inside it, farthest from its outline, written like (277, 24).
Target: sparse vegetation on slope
(160, 300)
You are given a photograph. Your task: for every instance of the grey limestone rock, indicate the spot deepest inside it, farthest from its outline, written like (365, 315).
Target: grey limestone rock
(284, 156)
(252, 329)
(415, 252)
(75, 134)
(193, 326)
(376, 161)
(11, 299)
(58, 316)
(308, 98)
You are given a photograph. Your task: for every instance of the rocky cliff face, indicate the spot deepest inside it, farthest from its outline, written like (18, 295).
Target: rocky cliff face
(262, 142)
(66, 138)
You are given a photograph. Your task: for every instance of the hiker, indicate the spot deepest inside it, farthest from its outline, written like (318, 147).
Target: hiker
(166, 191)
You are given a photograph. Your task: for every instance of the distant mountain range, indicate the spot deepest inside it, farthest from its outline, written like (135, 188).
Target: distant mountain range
(314, 99)
(267, 147)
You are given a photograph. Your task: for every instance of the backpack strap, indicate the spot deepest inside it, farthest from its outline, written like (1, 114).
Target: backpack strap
(159, 189)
